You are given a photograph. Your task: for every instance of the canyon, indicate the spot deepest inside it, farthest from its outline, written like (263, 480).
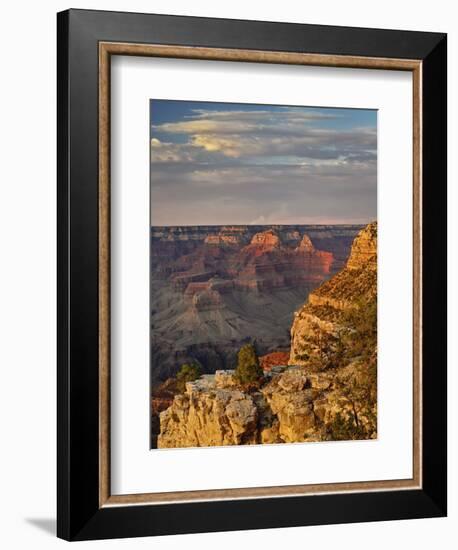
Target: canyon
(324, 387)
(215, 287)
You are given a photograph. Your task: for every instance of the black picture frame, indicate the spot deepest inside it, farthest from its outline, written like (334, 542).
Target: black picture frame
(80, 516)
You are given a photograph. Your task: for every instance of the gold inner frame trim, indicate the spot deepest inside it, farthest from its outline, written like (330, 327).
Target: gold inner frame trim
(106, 50)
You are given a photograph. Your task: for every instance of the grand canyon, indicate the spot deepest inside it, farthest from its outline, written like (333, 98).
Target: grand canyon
(215, 289)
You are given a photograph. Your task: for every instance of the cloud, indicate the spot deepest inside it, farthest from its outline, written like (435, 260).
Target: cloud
(262, 194)
(250, 134)
(287, 165)
(229, 147)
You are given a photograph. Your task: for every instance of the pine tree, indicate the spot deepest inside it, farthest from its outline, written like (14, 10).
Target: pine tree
(187, 373)
(248, 371)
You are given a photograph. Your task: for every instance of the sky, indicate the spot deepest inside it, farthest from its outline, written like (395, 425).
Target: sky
(233, 163)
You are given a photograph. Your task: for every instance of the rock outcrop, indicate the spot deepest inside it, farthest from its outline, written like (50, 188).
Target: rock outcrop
(209, 414)
(213, 412)
(266, 239)
(306, 244)
(364, 249)
(317, 326)
(223, 239)
(292, 407)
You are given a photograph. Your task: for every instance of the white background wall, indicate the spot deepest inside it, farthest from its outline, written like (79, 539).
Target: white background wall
(27, 272)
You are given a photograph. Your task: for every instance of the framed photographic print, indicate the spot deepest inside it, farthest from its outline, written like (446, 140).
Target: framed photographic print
(252, 274)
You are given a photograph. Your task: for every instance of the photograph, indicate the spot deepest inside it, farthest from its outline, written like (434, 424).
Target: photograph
(263, 274)
(251, 307)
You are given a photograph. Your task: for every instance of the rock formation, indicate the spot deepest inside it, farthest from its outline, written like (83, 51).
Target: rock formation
(209, 414)
(317, 324)
(292, 407)
(161, 399)
(328, 390)
(266, 240)
(305, 244)
(364, 249)
(214, 287)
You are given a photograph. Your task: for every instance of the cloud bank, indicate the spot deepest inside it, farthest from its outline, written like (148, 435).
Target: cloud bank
(245, 164)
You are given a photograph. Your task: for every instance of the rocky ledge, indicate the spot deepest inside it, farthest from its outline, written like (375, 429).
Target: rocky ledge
(292, 406)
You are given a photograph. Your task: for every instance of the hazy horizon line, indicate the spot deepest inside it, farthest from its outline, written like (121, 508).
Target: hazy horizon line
(264, 224)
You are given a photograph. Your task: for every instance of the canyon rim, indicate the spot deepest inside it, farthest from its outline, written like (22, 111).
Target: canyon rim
(263, 274)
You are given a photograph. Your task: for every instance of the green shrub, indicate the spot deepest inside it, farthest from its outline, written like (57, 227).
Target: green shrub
(248, 371)
(362, 339)
(345, 429)
(187, 373)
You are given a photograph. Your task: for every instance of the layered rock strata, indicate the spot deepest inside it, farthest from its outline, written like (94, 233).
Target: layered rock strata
(328, 390)
(215, 287)
(318, 323)
(293, 406)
